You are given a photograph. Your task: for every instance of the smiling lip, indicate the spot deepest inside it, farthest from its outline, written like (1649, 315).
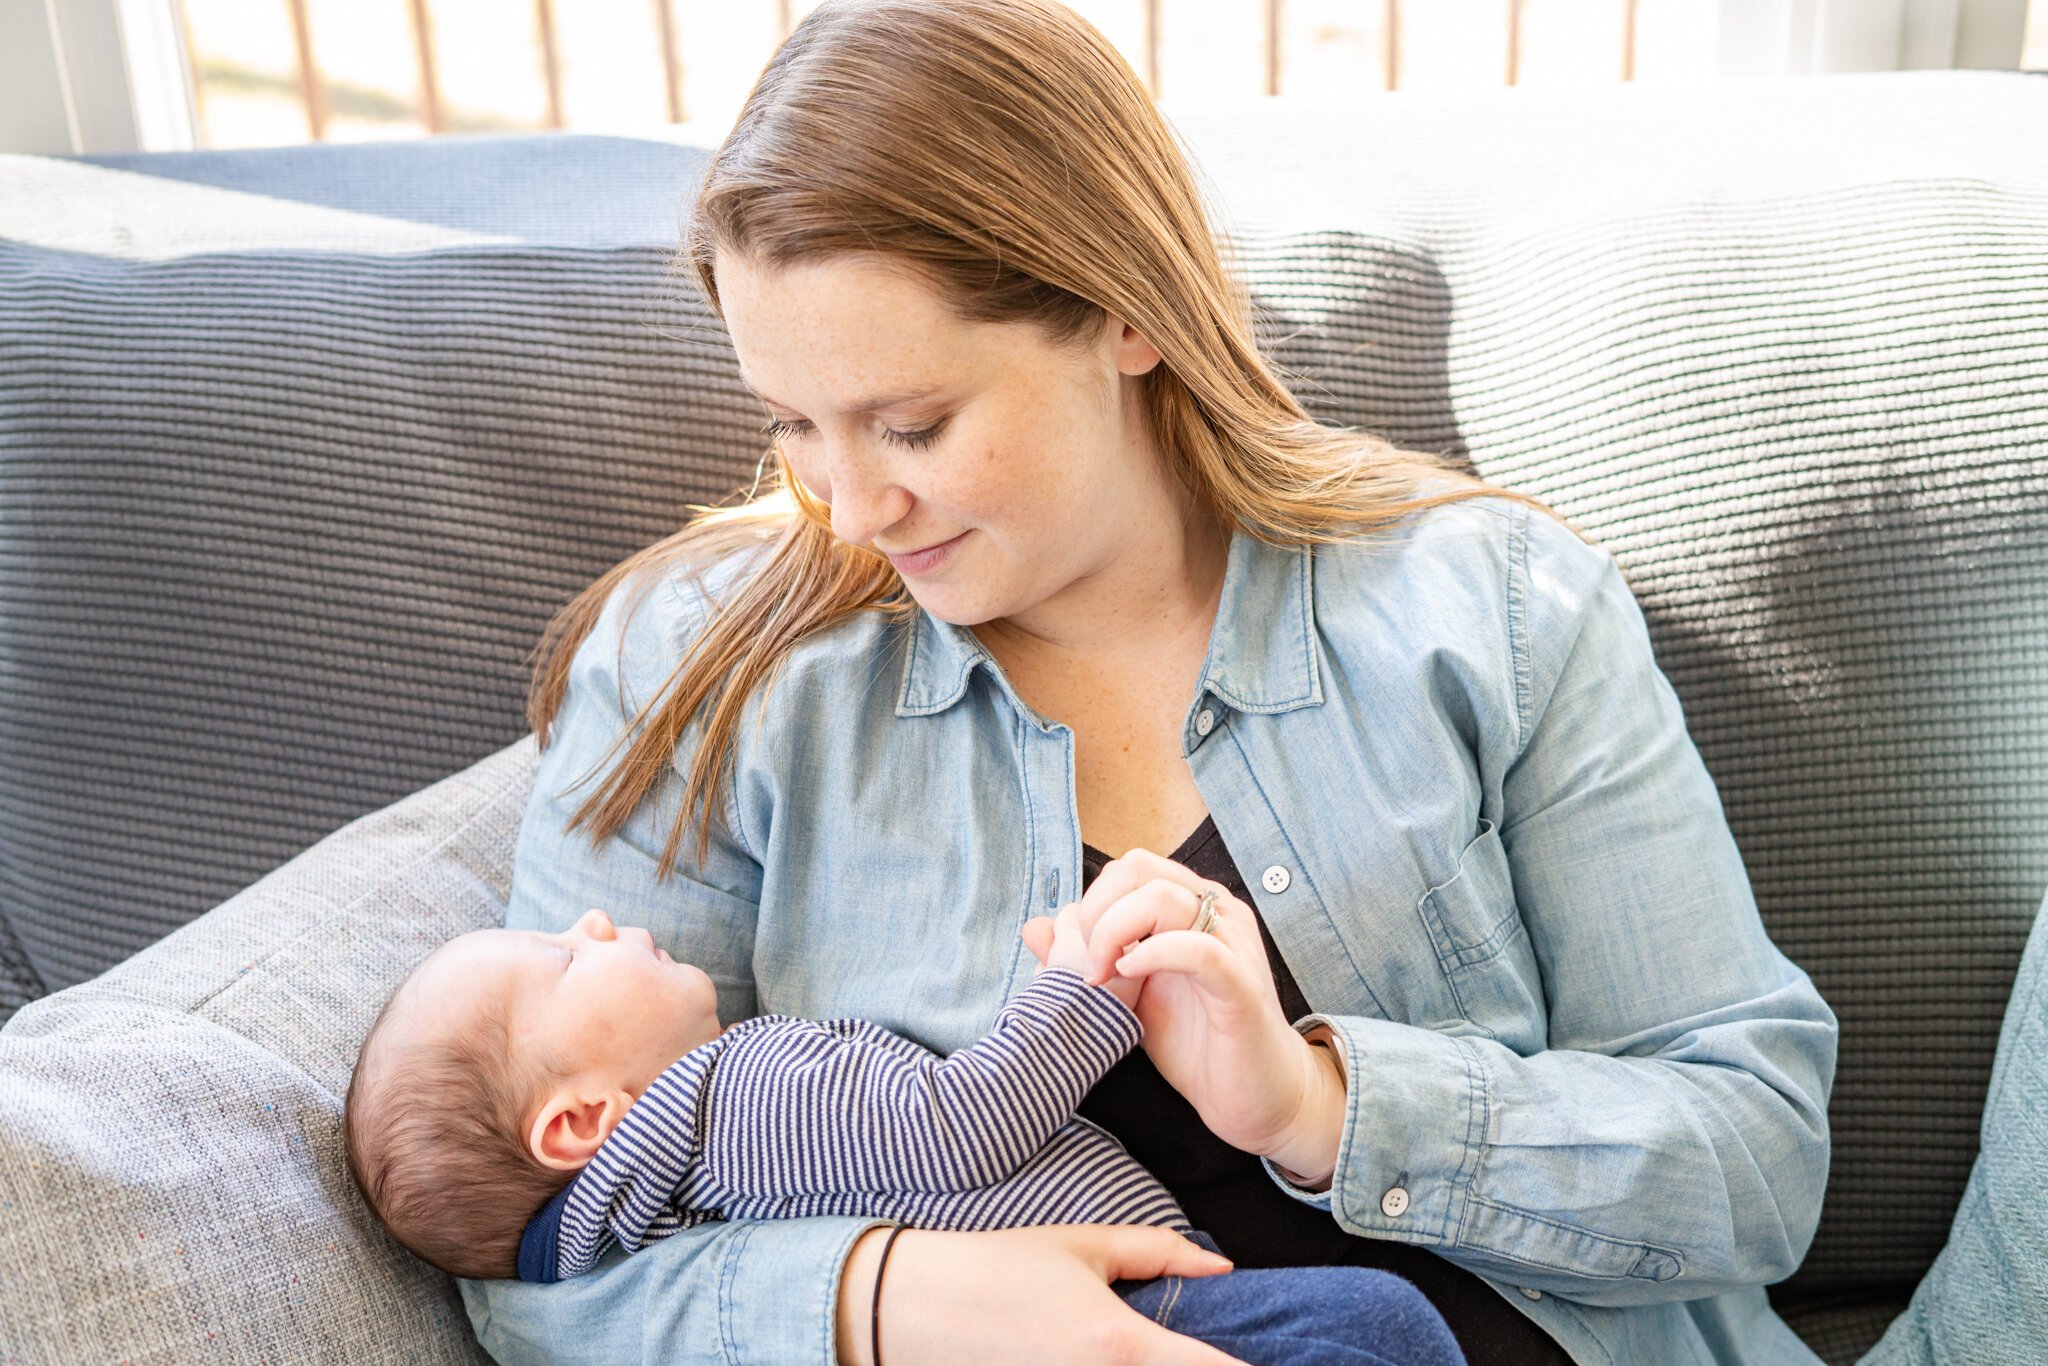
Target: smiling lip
(919, 561)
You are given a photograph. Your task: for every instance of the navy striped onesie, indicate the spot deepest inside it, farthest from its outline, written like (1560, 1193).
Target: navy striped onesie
(781, 1117)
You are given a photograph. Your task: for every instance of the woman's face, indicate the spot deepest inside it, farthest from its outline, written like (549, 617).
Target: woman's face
(919, 429)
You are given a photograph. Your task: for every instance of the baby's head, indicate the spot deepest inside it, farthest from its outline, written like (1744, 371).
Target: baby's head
(498, 1067)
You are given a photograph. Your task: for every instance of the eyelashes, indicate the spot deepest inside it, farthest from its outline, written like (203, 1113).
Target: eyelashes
(780, 430)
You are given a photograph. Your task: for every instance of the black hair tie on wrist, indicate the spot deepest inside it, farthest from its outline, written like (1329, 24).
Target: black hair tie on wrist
(875, 1342)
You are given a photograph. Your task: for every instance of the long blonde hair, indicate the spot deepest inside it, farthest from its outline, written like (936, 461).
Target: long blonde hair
(1006, 150)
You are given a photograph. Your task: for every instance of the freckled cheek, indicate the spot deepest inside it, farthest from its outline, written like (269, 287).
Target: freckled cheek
(1007, 471)
(810, 477)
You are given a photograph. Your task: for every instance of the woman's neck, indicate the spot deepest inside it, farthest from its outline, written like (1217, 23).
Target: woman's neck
(1155, 596)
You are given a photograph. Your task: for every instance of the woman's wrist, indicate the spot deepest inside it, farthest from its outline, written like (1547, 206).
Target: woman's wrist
(1309, 1155)
(852, 1332)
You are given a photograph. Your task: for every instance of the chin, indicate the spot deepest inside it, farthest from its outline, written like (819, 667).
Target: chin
(954, 610)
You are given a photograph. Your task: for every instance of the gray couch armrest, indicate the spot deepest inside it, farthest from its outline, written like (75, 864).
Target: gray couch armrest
(171, 1164)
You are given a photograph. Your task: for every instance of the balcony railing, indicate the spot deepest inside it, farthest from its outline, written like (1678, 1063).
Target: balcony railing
(269, 71)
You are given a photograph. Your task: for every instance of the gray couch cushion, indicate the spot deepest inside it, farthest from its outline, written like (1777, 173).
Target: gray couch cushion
(1985, 1300)
(171, 1152)
(288, 490)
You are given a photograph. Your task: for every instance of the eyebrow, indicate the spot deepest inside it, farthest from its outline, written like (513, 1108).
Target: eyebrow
(866, 405)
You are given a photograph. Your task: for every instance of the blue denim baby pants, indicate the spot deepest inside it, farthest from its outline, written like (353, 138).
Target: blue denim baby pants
(1300, 1315)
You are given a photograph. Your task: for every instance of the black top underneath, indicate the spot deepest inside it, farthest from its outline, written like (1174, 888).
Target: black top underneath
(1228, 1195)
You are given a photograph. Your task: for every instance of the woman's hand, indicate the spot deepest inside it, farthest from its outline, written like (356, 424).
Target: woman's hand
(1058, 942)
(1213, 1023)
(1025, 1295)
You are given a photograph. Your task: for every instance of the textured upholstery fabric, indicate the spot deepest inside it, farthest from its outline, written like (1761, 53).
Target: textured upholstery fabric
(288, 491)
(1985, 1300)
(1839, 1325)
(299, 448)
(171, 1149)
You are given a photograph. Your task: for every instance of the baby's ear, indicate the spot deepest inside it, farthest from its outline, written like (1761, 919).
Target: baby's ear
(570, 1128)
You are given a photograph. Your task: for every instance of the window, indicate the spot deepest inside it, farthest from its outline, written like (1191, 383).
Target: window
(113, 75)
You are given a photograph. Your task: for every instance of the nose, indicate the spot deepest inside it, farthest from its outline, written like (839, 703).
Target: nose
(598, 925)
(861, 503)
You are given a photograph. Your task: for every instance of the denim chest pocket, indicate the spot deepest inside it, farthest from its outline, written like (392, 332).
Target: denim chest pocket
(1482, 946)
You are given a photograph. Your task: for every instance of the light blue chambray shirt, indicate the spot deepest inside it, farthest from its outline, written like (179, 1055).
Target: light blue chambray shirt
(1464, 799)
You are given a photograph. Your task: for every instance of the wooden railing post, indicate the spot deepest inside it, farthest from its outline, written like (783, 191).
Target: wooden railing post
(430, 86)
(311, 94)
(550, 60)
(671, 67)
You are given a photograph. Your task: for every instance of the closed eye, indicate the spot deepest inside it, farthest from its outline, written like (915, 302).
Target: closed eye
(783, 431)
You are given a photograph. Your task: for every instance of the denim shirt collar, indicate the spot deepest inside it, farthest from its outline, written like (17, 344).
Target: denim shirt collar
(1262, 650)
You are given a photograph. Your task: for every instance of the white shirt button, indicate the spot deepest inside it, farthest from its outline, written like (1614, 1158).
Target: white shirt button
(1394, 1203)
(1205, 722)
(1276, 878)
(1530, 1292)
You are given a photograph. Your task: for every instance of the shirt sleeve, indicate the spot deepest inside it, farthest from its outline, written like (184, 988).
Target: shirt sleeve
(839, 1106)
(740, 1291)
(1671, 1142)
(743, 1290)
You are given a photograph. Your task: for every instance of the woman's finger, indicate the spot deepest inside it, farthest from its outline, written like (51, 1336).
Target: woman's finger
(1144, 1252)
(1034, 1294)
(1122, 876)
(1150, 908)
(1155, 908)
(1201, 955)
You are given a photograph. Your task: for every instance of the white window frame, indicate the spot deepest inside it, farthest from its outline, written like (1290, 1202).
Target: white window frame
(1767, 38)
(87, 76)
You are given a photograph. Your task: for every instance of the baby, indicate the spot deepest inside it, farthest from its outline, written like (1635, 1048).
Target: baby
(524, 1100)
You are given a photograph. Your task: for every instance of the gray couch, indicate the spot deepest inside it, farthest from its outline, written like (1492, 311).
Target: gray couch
(299, 448)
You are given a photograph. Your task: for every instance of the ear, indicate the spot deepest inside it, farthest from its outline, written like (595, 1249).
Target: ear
(1134, 354)
(572, 1125)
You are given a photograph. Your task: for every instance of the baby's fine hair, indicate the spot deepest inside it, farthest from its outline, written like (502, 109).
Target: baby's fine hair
(434, 1130)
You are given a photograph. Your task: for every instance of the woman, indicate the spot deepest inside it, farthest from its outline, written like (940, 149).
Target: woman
(1053, 569)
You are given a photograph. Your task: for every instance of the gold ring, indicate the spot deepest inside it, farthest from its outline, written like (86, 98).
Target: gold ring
(1205, 913)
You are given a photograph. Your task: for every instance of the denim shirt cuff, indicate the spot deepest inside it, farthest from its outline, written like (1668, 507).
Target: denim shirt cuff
(1413, 1112)
(779, 1288)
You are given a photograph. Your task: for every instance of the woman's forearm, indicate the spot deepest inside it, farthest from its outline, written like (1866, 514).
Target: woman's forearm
(732, 1289)
(1309, 1156)
(854, 1335)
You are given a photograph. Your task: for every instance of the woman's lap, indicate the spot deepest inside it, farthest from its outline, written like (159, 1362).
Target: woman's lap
(1302, 1316)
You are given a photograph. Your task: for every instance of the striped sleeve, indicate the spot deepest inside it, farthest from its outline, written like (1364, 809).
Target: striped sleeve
(842, 1105)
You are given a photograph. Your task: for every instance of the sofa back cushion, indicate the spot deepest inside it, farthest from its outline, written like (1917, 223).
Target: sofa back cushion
(299, 450)
(1985, 1300)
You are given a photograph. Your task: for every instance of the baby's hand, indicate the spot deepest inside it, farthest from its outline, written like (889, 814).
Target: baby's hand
(1057, 942)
